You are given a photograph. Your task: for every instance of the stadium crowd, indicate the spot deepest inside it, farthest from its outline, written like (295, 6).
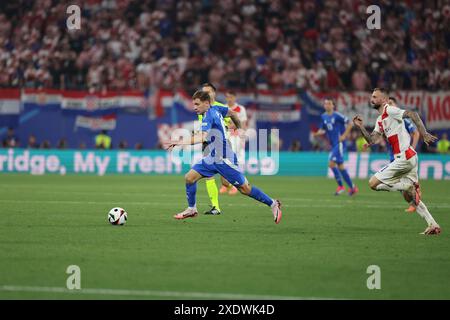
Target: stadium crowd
(245, 44)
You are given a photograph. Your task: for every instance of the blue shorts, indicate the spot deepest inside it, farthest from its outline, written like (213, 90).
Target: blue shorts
(226, 168)
(337, 153)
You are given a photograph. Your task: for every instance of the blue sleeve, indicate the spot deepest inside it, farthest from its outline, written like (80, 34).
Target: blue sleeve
(206, 123)
(410, 126)
(223, 110)
(341, 118)
(322, 123)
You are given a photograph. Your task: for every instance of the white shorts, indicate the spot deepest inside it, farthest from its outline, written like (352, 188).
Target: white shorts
(398, 170)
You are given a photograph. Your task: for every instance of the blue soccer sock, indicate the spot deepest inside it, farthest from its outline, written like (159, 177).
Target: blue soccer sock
(191, 191)
(347, 178)
(337, 176)
(260, 196)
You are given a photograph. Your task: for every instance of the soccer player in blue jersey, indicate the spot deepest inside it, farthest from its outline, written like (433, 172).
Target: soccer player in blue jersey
(220, 158)
(337, 127)
(211, 187)
(415, 135)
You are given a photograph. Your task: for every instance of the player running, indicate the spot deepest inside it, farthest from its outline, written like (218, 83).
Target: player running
(211, 186)
(337, 127)
(220, 159)
(412, 130)
(236, 139)
(401, 174)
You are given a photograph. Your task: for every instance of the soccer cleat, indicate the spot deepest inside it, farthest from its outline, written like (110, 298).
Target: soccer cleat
(188, 213)
(410, 209)
(223, 189)
(213, 211)
(233, 191)
(431, 230)
(276, 210)
(353, 190)
(339, 190)
(417, 194)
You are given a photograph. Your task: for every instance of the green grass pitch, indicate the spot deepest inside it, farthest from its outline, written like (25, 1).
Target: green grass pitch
(321, 248)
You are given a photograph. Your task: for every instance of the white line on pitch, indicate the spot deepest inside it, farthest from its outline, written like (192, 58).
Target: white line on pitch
(367, 204)
(155, 293)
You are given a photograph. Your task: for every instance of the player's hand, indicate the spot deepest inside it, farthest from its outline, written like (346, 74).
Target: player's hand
(358, 121)
(169, 144)
(341, 138)
(428, 138)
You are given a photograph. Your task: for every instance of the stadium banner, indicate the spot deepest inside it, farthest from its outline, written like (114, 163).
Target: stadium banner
(433, 106)
(107, 122)
(437, 110)
(9, 102)
(102, 162)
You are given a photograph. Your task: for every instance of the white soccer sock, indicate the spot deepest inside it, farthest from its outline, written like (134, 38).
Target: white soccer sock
(422, 210)
(399, 186)
(194, 208)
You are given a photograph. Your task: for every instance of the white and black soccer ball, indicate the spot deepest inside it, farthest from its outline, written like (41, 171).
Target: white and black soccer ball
(117, 216)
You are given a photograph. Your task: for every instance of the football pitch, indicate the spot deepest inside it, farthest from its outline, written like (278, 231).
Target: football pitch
(321, 249)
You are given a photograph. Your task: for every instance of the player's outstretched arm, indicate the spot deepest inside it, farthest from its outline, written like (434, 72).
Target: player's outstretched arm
(196, 138)
(346, 132)
(414, 116)
(371, 138)
(318, 133)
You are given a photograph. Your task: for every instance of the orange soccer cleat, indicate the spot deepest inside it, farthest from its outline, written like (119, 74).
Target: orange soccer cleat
(233, 191)
(188, 213)
(339, 190)
(223, 189)
(410, 209)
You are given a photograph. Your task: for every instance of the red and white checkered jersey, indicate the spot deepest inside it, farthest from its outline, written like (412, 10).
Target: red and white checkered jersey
(390, 122)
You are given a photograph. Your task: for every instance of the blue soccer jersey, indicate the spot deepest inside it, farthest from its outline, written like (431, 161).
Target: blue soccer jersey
(213, 123)
(410, 127)
(334, 124)
(219, 157)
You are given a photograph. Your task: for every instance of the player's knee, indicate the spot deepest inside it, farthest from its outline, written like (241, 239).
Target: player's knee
(245, 189)
(188, 178)
(331, 164)
(373, 183)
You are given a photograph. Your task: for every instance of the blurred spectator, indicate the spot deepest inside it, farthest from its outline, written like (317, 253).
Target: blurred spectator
(351, 142)
(443, 145)
(128, 44)
(82, 145)
(11, 140)
(32, 142)
(295, 146)
(45, 144)
(123, 144)
(138, 146)
(360, 80)
(102, 140)
(62, 144)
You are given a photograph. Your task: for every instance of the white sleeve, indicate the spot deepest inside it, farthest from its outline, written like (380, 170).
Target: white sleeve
(243, 114)
(395, 112)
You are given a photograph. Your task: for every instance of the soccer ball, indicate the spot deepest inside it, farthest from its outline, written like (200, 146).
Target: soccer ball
(117, 216)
